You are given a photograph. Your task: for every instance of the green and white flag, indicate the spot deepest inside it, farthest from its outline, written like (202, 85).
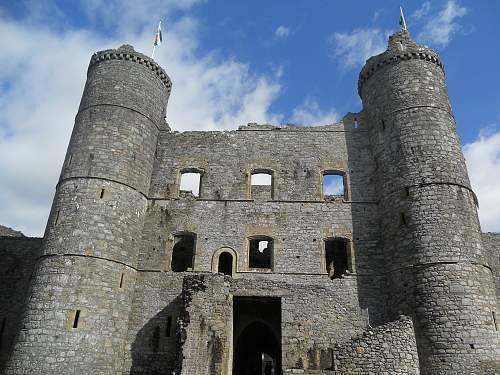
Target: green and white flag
(402, 21)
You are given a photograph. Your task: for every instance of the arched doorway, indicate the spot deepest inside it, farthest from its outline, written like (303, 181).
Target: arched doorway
(225, 265)
(257, 351)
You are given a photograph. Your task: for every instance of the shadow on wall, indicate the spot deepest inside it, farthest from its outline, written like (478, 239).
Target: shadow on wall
(369, 258)
(154, 350)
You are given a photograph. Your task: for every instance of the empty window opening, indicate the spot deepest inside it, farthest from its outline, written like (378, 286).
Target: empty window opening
(168, 327)
(190, 182)
(407, 191)
(2, 330)
(383, 125)
(91, 156)
(404, 221)
(56, 220)
(336, 258)
(225, 263)
(76, 319)
(121, 280)
(356, 124)
(183, 252)
(70, 159)
(333, 185)
(260, 252)
(156, 339)
(102, 194)
(261, 185)
(494, 317)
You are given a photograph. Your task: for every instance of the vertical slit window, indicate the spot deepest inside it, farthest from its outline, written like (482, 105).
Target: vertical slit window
(70, 159)
(168, 327)
(101, 195)
(121, 280)
(56, 219)
(494, 317)
(2, 330)
(76, 320)
(404, 220)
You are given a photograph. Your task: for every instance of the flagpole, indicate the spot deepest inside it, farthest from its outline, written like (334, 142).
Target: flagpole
(403, 19)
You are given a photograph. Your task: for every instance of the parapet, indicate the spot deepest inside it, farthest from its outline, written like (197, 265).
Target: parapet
(401, 47)
(127, 52)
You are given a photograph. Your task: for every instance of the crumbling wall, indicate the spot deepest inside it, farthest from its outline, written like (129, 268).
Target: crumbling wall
(205, 326)
(18, 259)
(153, 332)
(388, 349)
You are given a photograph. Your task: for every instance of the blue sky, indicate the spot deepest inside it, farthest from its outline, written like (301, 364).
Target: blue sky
(232, 62)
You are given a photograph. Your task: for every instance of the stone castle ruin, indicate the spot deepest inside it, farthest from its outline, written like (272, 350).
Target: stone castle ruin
(262, 269)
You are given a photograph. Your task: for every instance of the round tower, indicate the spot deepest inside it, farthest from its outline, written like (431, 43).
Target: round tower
(77, 316)
(436, 266)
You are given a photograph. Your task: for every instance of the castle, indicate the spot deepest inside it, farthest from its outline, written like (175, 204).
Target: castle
(262, 269)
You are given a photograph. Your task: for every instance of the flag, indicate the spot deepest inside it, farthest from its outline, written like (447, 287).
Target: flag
(158, 38)
(402, 21)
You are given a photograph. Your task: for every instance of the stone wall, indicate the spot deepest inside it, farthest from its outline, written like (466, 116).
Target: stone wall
(18, 259)
(387, 349)
(491, 242)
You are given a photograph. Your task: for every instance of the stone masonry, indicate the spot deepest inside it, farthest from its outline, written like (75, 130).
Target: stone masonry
(136, 276)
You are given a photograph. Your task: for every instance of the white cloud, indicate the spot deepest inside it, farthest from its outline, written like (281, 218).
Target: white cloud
(310, 113)
(483, 163)
(282, 32)
(42, 79)
(354, 48)
(422, 11)
(442, 27)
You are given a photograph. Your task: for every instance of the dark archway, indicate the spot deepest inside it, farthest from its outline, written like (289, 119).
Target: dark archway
(225, 263)
(255, 347)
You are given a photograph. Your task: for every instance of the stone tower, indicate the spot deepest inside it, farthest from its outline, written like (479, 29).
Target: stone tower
(437, 269)
(90, 251)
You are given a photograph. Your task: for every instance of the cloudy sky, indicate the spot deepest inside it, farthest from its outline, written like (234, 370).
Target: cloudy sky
(231, 62)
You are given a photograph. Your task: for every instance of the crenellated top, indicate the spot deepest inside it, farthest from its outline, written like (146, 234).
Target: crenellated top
(127, 52)
(401, 47)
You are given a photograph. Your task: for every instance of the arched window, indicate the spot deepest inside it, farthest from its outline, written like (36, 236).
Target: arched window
(225, 264)
(337, 257)
(183, 252)
(262, 184)
(334, 185)
(260, 252)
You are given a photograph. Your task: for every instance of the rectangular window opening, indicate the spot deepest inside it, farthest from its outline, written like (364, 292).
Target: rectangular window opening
(261, 185)
(190, 184)
(102, 194)
(70, 159)
(121, 280)
(336, 257)
(260, 253)
(77, 319)
(494, 317)
(168, 327)
(407, 191)
(56, 220)
(183, 252)
(333, 186)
